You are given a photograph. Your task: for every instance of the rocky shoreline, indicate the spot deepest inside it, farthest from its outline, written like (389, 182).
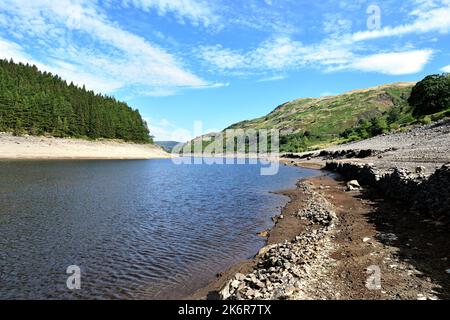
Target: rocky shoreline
(327, 242)
(415, 190)
(284, 269)
(392, 219)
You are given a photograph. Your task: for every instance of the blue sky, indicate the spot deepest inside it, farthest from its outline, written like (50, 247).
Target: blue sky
(219, 62)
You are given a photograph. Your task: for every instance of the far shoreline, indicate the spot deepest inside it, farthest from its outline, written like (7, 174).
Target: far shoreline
(51, 148)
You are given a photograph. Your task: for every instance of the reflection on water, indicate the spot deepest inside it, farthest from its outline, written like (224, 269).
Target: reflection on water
(137, 229)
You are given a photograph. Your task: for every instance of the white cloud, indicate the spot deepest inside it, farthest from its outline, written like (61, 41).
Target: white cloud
(429, 16)
(273, 78)
(157, 92)
(277, 54)
(335, 24)
(118, 57)
(446, 69)
(196, 11)
(10, 50)
(67, 71)
(283, 54)
(166, 91)
(273, 54)
(222, 58)
(395, 63)
(342, 50)
(165, 130)
(212, 86)
(97, 83)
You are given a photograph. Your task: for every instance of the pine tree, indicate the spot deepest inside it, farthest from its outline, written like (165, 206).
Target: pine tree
(36, 103)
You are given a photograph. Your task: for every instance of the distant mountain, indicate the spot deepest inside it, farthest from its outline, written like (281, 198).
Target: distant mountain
(168, 145)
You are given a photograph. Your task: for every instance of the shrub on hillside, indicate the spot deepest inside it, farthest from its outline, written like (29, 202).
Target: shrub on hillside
(431, 95)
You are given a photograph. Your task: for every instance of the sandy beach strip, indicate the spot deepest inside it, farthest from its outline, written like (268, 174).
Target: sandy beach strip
(49, 148)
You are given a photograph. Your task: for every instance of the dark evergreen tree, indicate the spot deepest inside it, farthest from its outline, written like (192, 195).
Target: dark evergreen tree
(37, 103)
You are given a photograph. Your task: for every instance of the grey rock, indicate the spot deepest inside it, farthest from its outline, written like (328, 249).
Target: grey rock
(420, 170)
(224, 293)
(239, 277)
(235, 284)
(353, 185)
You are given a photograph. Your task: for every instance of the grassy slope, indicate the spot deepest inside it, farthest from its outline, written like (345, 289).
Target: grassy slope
(326, 118)
(331, 115)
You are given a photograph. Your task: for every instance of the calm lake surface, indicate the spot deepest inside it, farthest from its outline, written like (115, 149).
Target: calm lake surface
(137, 229)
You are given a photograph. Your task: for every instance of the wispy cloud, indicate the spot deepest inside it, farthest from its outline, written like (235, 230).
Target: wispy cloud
(428, 16)
(119, 56)
(198, 12)
(277, 54)
(170, 91)
(273, 78)
(265, 16)
(165, 130)
(79, 40)
(273, 54)
(446, 69)
(69, 72)
(340, 50)
(285, 54)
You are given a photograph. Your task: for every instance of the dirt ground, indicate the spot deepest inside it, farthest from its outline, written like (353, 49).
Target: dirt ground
(410, 251)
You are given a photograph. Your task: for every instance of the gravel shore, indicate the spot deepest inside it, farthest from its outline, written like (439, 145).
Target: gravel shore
(421, 146)
(286, 269)
(329, 242)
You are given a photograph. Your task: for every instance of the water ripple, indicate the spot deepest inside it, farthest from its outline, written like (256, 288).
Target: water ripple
(137, 229)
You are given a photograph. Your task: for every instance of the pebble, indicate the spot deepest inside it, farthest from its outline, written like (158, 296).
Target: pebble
(235, 284)
(421, 297)
(239, 277)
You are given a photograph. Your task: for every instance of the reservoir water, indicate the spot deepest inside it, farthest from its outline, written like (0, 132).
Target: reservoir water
(136, 229)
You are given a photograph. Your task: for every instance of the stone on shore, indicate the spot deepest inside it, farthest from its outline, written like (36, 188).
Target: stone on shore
(353, 185)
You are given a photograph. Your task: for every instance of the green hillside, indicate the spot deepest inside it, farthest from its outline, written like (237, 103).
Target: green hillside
(332, 115)
(315, 122)
(37, 103)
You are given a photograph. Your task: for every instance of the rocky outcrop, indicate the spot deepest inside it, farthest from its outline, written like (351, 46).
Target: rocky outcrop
(284, 269)
(427, 194)
(434, 193)
(340, 154)
(350, 154)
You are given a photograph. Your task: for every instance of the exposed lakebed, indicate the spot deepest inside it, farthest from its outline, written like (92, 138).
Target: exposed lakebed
(137, 229)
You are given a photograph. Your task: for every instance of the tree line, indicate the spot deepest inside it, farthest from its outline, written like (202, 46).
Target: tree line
(40, 103)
